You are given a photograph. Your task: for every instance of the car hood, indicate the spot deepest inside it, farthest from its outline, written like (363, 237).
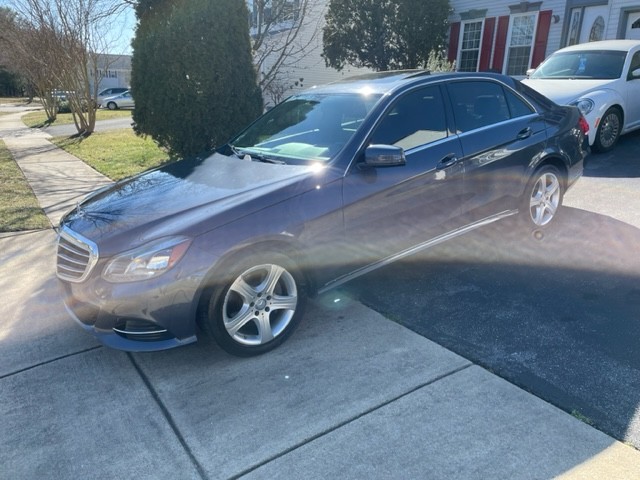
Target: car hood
(565, 91)
(185, 197)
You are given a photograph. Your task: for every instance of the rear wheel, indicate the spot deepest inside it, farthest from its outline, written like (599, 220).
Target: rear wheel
(259, 306)
(608, 130)
(542, 200)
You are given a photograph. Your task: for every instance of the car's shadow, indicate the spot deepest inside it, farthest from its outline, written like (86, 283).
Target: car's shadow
(559, 317)
(621, 162)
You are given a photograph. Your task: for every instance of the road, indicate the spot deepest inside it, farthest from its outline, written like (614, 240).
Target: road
(558, 317)
(101, 126)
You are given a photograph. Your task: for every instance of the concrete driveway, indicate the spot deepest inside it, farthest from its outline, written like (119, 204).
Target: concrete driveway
(350, 395)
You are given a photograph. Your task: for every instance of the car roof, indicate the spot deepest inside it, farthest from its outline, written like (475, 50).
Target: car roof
(622, 45)
(385, 82)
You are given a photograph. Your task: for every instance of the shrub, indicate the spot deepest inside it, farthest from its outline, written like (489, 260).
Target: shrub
(192, 76)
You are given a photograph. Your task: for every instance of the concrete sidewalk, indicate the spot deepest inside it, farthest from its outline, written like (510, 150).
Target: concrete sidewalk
(58, 179)
(351, 395)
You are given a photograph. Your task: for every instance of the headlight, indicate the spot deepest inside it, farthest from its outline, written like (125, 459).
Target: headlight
(585, 105)
(147, 261)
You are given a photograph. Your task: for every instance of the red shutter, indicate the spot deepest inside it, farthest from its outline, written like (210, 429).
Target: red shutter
(487, 43)
(501, 43)
(454, 36)
(542, 35)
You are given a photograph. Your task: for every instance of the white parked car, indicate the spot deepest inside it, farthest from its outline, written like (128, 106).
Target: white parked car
(602, 79)
(124, 100)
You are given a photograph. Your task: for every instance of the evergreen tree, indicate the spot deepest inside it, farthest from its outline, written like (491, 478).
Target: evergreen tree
(192, 75)
(384, 34)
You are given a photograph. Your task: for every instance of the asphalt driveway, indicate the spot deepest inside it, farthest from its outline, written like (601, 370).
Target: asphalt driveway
(558, 317)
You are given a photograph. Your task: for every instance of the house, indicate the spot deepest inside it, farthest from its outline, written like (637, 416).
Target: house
(113, 70)
(305, 66)
(511, 37)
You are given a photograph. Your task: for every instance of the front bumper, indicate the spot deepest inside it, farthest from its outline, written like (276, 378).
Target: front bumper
(148, 315)
(149, 320)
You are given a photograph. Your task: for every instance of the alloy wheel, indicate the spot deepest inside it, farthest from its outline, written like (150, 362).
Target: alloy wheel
(545, 199)
(260, 304)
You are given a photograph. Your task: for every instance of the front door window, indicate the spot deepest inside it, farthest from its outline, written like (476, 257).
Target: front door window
(597, 30)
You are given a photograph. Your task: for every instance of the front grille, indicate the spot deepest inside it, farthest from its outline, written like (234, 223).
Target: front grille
(76, 256)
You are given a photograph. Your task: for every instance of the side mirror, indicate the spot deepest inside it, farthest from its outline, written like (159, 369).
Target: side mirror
(384, 156)
(530, 72)
(635, 73)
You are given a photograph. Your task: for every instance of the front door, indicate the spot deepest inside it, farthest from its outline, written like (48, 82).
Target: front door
(594, 23)
(390, 209)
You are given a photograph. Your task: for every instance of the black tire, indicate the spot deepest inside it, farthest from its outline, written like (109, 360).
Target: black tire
(112, 106)
(608, 131)
(542, 199)
(258, 307)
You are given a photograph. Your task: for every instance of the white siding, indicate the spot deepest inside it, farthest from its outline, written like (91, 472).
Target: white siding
(499, 8)
(311, 66)
(615, 16)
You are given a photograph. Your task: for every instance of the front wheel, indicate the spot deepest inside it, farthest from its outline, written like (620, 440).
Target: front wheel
(608, 131)
(112, 106)
(258, 308)
(542, 199)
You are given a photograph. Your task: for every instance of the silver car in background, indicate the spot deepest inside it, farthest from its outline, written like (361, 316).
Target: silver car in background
(124, 100)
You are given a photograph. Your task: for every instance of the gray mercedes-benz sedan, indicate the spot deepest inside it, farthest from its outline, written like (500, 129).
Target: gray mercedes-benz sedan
(326, 186)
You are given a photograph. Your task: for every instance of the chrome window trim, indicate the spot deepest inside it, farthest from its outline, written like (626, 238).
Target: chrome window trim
(503, 122)
(79, 240)
(440, 83)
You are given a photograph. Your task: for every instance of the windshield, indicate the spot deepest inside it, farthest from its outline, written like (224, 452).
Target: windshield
(588, 64)
(305, 127)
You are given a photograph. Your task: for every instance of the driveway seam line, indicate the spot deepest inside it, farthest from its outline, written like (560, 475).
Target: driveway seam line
(348, 421)
(40, 364)
(167, 415)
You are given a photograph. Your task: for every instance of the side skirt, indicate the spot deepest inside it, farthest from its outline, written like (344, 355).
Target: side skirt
(415, 249)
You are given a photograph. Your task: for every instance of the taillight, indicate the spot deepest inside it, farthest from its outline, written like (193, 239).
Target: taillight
(584, 125)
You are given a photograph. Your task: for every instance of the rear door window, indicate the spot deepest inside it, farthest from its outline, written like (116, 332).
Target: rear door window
(478, 104)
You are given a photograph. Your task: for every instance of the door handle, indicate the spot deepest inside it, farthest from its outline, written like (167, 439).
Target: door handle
(447, 161)
(524, 133)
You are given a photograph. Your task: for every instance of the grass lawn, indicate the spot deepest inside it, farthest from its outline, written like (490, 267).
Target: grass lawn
(39, 119)
(115, 153)
(19, 209)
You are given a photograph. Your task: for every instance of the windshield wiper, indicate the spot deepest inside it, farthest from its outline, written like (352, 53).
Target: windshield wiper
(237, 152)
(265, 159)
(256, 157)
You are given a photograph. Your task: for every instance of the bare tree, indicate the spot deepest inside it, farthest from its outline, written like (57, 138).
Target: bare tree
(282, 33)
(75, 55)
(18, 41)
